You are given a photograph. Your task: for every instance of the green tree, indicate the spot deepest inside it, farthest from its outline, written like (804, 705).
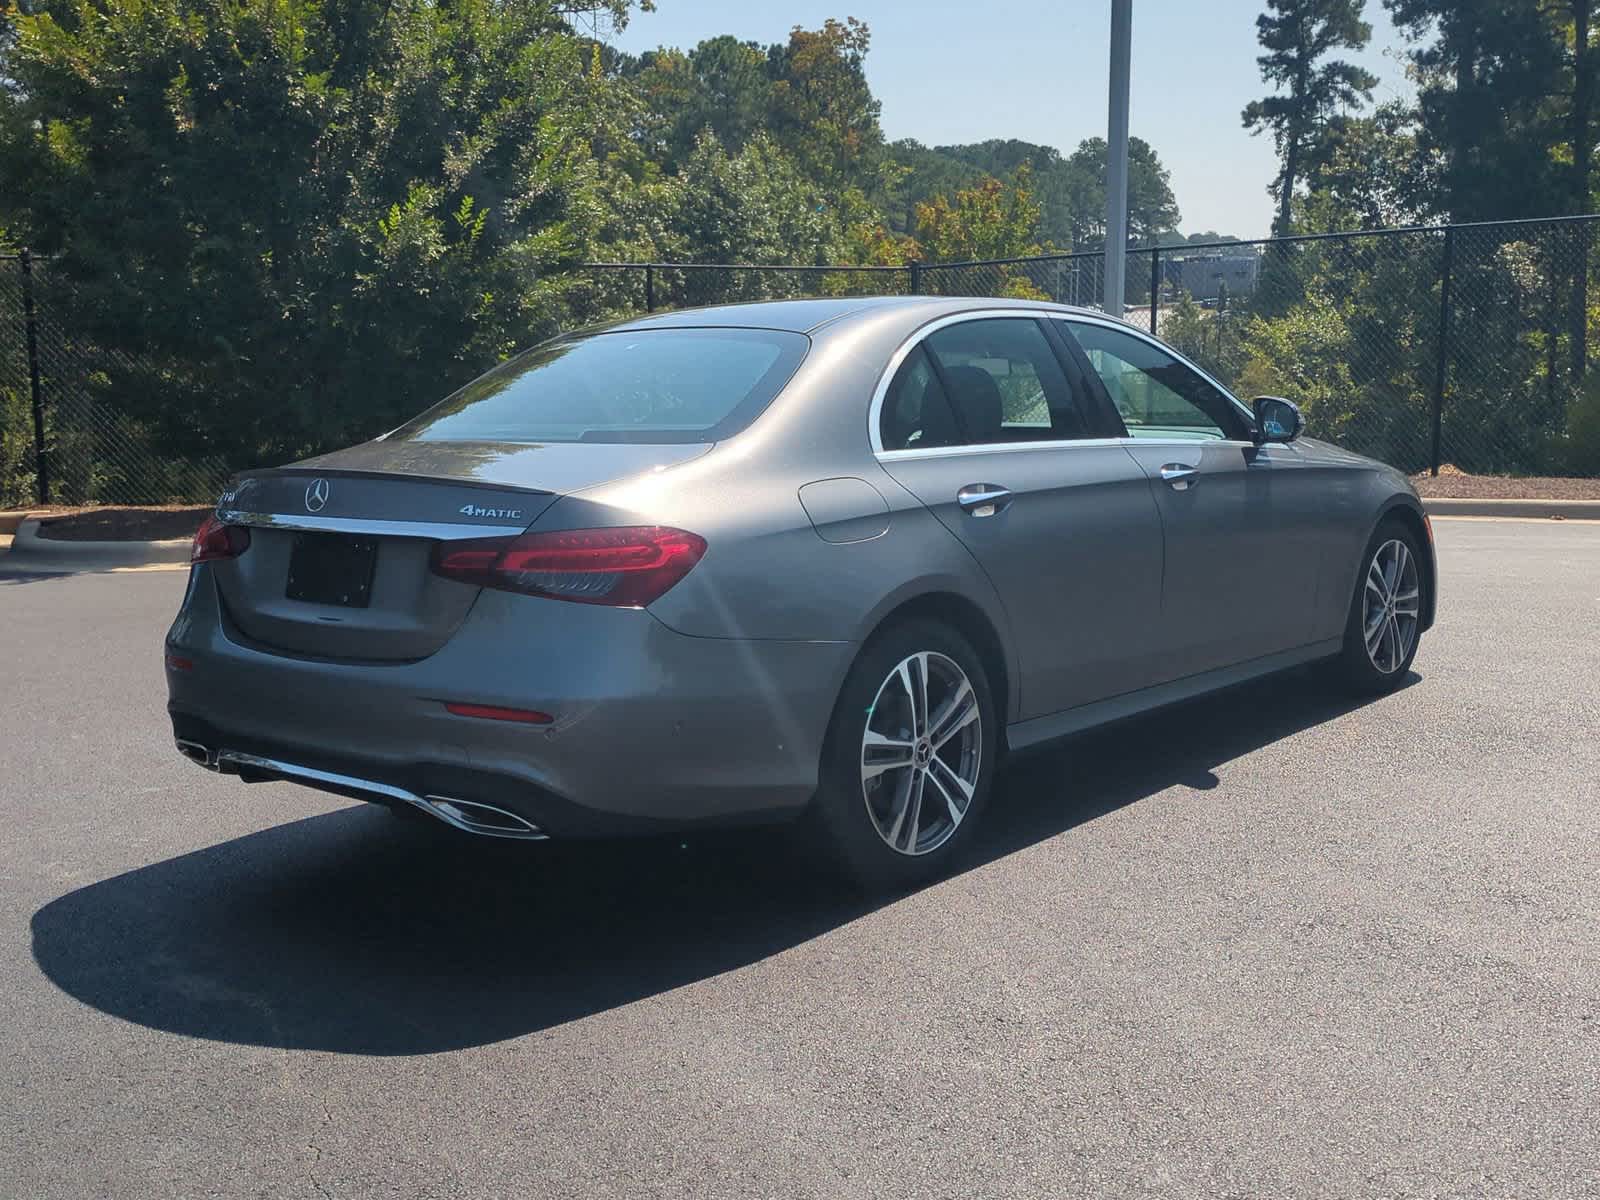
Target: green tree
(1298, 36)
(1377, 175)
(1577, 35)
(721, 85)
(754, 206)
(298, 221)
(1052, 179)
(808, 95)
(1152, 208)
(1489, 74)
(1070, 192)
(922, 174)
(1204, 336)
(990, 220)
(823, 112)
(1506, 97)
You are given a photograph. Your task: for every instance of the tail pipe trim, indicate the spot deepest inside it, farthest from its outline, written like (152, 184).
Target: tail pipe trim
(470, 816)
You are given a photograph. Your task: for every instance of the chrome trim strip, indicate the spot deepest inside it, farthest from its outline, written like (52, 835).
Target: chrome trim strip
(432, 530)
(996, 448)
(1085, 316)
(442, 808)
(1205, 443)
(889, 456)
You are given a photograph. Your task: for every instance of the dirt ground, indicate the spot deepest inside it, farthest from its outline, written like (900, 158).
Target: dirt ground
(1457, 484)
(152, 523)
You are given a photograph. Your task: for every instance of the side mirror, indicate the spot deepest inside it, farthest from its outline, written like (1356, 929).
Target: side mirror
(1277, 419)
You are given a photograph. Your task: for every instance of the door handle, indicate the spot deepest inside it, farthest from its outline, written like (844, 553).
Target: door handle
(983, 499)
(1180, 475)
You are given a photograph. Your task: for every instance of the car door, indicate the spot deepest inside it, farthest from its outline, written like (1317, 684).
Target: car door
(1240, 520)
(991, 424)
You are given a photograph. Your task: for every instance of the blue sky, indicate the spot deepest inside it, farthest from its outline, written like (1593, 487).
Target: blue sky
(951, 72)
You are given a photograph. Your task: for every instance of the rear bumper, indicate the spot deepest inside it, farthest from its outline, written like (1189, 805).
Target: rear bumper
(653, 730)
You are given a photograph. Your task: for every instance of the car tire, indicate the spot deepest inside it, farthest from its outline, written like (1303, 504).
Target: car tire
(1384, 625)
(892, 770)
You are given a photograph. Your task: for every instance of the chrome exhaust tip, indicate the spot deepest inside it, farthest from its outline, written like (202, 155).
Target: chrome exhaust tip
(196, 753)
(477, 817)
(469, 816)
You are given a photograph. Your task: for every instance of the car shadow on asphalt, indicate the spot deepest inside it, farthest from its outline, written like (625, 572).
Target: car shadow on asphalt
(357, 932)
(8, 577)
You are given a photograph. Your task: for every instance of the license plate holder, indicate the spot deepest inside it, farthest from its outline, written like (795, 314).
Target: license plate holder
(332, 568)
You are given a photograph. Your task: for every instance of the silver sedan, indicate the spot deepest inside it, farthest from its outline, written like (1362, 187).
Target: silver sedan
(827, 560)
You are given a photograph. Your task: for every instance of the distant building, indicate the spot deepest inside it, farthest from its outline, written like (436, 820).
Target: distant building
(1204, 275)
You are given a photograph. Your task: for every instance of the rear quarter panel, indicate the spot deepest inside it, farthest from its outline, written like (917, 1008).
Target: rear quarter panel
(768, 573)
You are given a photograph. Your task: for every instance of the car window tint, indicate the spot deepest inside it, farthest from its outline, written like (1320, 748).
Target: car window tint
(657, 385)
(916, 414)
(1156, 395)
(1005, 383)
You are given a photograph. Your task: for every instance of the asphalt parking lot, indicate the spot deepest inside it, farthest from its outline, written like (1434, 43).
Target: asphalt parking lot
(1267, 944)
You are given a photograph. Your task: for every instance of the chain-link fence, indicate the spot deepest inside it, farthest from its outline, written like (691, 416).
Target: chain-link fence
(1466, 344)
(64, 438)
(652, 286)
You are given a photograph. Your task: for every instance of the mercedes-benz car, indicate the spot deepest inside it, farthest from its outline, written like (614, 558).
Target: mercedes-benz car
(819, 560)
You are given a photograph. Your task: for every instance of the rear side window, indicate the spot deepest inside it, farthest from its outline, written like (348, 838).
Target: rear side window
(916, 413)
(986, 381)
(656, 385)
(1005, 383)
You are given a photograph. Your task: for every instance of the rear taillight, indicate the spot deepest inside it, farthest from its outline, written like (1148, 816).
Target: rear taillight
(215, 540)
(627, 567)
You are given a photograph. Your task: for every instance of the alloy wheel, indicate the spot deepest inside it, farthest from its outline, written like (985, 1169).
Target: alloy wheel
(1391, 606)
(921, 753)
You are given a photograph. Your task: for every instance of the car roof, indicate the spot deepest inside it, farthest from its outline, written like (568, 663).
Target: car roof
(808, 316)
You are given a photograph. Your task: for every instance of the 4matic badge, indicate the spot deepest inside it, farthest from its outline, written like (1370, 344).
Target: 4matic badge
(477, 510)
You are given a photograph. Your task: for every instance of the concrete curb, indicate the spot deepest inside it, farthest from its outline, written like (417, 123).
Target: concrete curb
(1566, 510)
(28, 548)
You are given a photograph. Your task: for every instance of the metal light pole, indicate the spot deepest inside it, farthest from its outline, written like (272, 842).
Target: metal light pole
(1117, 156)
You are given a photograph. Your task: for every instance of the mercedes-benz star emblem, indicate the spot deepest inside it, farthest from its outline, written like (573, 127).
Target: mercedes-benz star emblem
(316, 495)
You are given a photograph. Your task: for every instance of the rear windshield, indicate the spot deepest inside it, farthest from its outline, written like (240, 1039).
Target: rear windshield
(656, 385)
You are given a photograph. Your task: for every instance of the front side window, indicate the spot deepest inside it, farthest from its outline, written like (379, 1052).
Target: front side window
(656, 385)
(1156, 395)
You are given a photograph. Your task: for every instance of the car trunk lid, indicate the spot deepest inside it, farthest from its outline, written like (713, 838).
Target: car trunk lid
(339, 559)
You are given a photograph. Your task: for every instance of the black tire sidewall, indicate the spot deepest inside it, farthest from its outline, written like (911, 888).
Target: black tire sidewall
(1354, 661)
(840, 809)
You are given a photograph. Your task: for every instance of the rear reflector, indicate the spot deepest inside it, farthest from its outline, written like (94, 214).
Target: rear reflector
(629, 566)
(178, 663)
(489, 712)
(215, 540)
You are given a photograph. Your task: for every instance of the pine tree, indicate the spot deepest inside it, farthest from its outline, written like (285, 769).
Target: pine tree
(1298, 35)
